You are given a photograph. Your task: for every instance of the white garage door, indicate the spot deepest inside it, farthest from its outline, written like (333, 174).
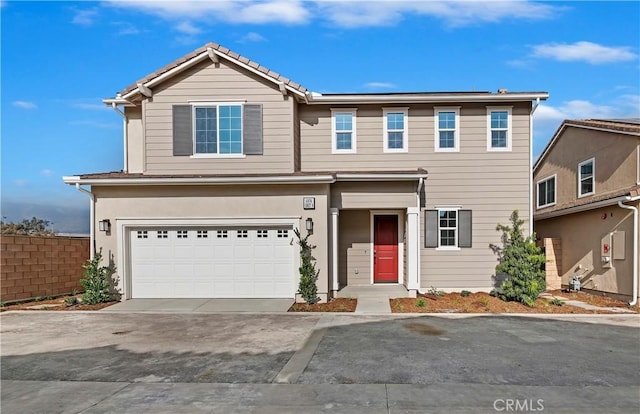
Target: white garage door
(212, 263)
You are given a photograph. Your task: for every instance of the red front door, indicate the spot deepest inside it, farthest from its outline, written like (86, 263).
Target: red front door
(385, 249)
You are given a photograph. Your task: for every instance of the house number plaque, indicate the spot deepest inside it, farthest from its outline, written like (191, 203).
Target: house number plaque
(309, 203)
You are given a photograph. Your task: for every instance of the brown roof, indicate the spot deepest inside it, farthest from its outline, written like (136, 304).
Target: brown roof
(632, 191)
(224, 51)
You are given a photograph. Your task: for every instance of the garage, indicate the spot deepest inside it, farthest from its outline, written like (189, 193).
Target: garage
(212, 262)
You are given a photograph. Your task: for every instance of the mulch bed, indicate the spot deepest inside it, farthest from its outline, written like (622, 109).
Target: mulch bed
(334, 305)
(594, 299)
(485, 303)
(55, 304)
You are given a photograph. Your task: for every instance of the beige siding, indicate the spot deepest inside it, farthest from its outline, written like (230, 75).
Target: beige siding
(581, 235)
(214, 202)
(616, 163)
(219, 83)
(354, 265)
(373, 195)
(135, 140)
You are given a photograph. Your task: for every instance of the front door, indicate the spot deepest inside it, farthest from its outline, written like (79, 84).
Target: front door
(385, 249)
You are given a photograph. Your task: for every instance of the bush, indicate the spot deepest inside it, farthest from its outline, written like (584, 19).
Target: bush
(70, 301)
(465, 293)
(97, 281)
(421, 303)
(307, 288)
(522, 264)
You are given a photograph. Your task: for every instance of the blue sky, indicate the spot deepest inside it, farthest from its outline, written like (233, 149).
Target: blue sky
(59, 59)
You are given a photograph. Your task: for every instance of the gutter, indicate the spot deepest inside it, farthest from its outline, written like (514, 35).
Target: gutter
(584, 207)
(380, 177)
(92, 212)
(417, 98)
(621, 204)
(315, 179)
(531, 186)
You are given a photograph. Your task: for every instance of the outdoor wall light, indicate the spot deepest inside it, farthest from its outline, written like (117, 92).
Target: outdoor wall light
(309, 225)
(104, 225)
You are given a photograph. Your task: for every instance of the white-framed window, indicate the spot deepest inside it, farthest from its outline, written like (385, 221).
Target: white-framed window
(499, 129)
(586, 177)
(217, 128)
(396, 130)
(343, 131)
(448, 228)
(547, 192)
(447, 129)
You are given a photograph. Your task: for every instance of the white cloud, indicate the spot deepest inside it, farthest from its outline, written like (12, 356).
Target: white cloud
(270, 11)
(348, 13)
(24, 104)
(84, 17)
(20, 183)
(91, 106)
(95, 124)
(379, 85)
(46, 172)
(589, 52)
(252, 37)
(187, 28)
(126, 28)
(454, 13)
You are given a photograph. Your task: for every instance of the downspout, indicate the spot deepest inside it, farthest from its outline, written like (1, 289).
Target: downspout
(92, 227)
(634, 296)
(533, 109)
(418, 193)
(124, 135)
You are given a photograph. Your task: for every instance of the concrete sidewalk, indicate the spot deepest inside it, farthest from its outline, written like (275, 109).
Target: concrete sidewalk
(115, 397)
(201, 305)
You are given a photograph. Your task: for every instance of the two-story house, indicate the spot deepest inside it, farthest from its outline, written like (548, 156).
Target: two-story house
(586, 210)
(224, 158)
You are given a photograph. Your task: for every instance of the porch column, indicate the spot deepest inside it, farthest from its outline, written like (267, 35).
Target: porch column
(334, 251)
(413, 248)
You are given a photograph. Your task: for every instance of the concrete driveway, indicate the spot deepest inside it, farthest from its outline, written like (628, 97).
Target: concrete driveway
(116, 362)
(201, 305)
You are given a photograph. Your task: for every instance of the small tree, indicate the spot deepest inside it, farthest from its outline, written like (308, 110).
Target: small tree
(522, 262)
(27, 227)
(307, 288)
(97, 281)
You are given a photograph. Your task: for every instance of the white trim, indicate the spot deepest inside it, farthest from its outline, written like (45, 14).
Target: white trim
(593, 177)
(212, 155)
(335, 285)
(581, 208)
(413, 248)
(456, 245)
(380, 177)
(427, 98)
(405, 130)
(313, 179)
(123, 226)
(216, 105)
(399, 213)
(555, 192)
(508, 110)
(352, 112)
(456, 130)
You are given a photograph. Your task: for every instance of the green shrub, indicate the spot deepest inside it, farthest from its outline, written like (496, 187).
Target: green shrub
(465, 293)
(435, 292)
(307, 287)
(556, 302)
(521, 263)
(421, 303)
(97, 281)
(70, 301)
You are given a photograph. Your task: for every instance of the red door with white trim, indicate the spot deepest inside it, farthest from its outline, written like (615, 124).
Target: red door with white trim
(385, 249)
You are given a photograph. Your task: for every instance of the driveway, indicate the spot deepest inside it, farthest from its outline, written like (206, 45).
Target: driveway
(106, 362)
(201, 305)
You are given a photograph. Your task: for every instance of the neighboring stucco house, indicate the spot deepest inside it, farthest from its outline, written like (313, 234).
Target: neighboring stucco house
(224, 158)
(588, 193)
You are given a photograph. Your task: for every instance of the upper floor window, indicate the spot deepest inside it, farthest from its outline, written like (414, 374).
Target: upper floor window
(396, 135)
(447, 135)
(218, 129)
(343, 125)
(586, 178)
(499, 129)
(547, 192)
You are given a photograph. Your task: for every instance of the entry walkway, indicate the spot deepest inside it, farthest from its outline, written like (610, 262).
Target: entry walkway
(201, 305)
(374, 298)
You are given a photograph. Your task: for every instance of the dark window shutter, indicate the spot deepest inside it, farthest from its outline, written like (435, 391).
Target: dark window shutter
(182, 130)
(252, 129)
(431, 228)
(464, 228)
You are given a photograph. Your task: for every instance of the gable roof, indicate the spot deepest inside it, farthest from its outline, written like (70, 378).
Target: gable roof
(211, 51)
(626, 127)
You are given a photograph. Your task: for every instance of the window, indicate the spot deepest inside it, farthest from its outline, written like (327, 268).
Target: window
(448, 228)
(499, 129)
(162, 234)
(586, 178)
(218, 129)
(547, 192)
(202, 234)
(142, 234)
(222, 234)
(395, 130)
(182, 234)
(283, 234)
(343, 124)
(263, 234)
(447, 136)
(242, 234)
